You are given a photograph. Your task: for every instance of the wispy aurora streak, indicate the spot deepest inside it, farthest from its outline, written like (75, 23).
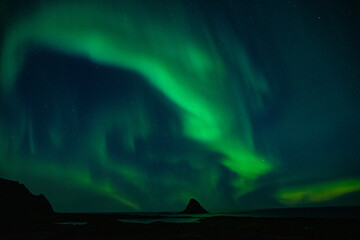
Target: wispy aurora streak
(320, 192)
(177, 57)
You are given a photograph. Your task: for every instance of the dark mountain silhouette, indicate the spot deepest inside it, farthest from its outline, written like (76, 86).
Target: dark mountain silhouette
(18, 203)
(194, 207)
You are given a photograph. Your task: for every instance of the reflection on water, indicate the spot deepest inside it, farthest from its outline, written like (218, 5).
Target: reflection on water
(152, 217)
(165, 219)
(147, 218)
(314, 212)
(72, 223)
(173, 218)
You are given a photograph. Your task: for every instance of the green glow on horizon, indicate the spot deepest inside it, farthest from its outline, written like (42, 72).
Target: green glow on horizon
(180, 62)
(321, 192)
(75, 176)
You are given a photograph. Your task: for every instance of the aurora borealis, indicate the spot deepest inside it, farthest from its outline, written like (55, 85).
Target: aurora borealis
(142, 105)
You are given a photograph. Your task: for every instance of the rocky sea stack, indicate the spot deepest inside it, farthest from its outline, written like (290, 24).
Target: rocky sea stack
(18, 203)
(194, 207)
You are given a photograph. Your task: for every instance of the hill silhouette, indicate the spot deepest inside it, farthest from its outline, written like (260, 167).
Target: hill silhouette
(17, 203)
(194, 207)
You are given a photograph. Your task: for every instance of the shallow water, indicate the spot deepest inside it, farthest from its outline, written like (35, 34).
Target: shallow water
(72, 223)
(165, 219)
(322, 212)
(169, 217)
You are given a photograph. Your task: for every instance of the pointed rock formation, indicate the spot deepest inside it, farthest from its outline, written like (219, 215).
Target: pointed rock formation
(194, 207)
(17, 202)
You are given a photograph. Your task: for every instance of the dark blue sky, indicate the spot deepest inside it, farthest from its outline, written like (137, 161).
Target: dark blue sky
(131, 106)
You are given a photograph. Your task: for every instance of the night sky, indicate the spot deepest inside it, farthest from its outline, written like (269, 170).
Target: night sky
(142, 105)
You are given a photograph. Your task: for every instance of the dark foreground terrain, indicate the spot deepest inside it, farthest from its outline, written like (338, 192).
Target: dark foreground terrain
(27, 216)
(107, 226)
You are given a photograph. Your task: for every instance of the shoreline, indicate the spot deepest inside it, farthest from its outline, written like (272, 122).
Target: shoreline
(102, 226)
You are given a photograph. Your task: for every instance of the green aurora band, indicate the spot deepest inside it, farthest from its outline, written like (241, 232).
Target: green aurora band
(214, 94)
(318, 192)
(177, 58)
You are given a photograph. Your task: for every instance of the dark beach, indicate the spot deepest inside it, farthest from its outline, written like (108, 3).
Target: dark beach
(107, 226)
